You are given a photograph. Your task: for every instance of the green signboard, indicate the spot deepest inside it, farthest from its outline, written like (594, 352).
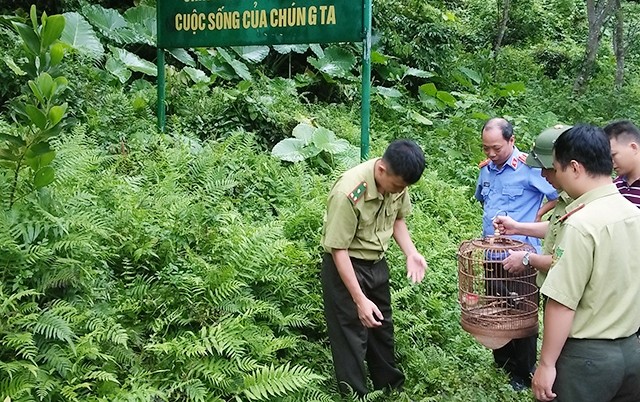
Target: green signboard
(208, 23)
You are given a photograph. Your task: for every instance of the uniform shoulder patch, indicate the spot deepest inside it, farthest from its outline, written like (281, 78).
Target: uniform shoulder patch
(484, 163)
(358, 192)
(523, 157)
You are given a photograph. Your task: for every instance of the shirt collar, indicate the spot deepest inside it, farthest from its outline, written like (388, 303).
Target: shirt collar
(590, 196)
(512, 161)
(370, 178)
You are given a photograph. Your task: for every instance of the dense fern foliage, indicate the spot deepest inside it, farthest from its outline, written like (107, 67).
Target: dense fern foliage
(184, 266)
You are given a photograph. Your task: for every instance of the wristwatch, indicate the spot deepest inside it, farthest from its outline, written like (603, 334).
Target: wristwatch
(525, 260)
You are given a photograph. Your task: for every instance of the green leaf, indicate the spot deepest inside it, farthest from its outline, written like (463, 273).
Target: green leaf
(471, 74)
(142, 20)
(447, 98)
(304, 132)
(252, 54)
(29, 37)
(197, 76)
(117, 68)
(239, 67)
(286, 49)
(56, 113)
(57, 53)
(414, 72)
(36, 116)
(379, 58)
(12, 139)
(79, 35)
(183, 56)
(388, 92)
(13, 66)
(52, 27)
(106, 20)
(133, 62)
(325, 140)
(337, 62)
(317, 49)
(8, 155)
(43, 177)
(38, 149)
(45, 85)
(290, 150)
(429, 89)
(515, 87)
(421, 119)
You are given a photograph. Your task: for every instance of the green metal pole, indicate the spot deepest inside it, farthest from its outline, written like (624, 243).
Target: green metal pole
(161, 85)
(366, 82)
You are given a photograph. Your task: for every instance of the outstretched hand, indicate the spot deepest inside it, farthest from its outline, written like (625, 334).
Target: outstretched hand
(416, 267)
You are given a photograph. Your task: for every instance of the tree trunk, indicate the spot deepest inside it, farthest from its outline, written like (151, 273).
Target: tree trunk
(619, 46)
(502, 26)
(598, 11)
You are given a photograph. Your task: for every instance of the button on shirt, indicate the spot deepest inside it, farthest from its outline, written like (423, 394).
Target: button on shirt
(362, 224)
(516, 189)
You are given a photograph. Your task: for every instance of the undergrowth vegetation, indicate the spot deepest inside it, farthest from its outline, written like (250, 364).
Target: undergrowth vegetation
(184, 266)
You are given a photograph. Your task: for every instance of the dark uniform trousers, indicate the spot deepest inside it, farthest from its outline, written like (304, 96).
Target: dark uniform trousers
(351, 342)
(599, 370)
(518, 357)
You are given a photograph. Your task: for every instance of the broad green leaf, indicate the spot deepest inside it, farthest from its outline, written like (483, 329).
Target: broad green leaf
(239, 67)
(43, 177)
(133, 62)
(326, 140)
(429, 89)
(142, 20)
(379, 58)
(286, 49)
(252, 54)
(480, 116)
(388, 92)
(118, 69)
(421, 119)
(37, 117)
(337, 62)
(29, 37)
(34, 17)
(473, 75)
(446, 97)
(216, 66)
(107, 20)
(57, 53)
(317, 49)
(51, 30)
(183, 56)
(12, 139)
(13, 66)
(45, 85)
(39, 149)
(47, 158)
(8, 155)
(515, 87)
(197, 76)
(304, 132)
(80, 36)
(414, 72)
(56, 113)
(290, 150)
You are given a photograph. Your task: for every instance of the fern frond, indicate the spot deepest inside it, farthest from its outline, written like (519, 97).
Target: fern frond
(22, 343)
(272, 381)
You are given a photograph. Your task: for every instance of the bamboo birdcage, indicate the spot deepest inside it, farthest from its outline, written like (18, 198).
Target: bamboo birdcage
(497, 306)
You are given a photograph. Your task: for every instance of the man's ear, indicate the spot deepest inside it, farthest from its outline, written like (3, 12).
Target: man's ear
(634, 146)
(576, 167)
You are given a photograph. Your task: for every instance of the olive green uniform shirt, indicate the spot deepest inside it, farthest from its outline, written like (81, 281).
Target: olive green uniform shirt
(554, 225)
(358, 217)
(596, 268)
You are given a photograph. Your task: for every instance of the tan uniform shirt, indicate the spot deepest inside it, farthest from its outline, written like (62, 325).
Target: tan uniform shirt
(554, 225)
(358, 217)
(596, 268)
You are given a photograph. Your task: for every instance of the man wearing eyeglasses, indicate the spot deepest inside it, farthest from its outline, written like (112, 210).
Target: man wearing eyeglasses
(507, 186)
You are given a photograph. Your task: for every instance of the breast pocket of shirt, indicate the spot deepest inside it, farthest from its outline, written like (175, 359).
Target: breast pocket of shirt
(512, 194)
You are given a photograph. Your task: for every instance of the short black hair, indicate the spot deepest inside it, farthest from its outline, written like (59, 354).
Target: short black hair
(503, 124)
(405, 158)
(623, 128)
(587, 145)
